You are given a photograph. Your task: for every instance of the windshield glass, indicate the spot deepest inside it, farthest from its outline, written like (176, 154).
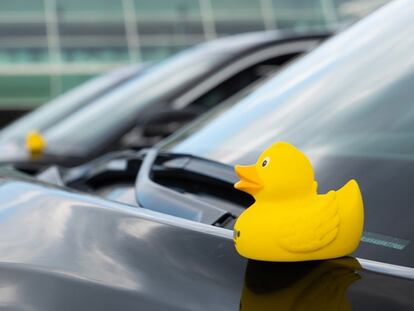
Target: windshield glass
(79, 133)
(66, 104)
(349, 106)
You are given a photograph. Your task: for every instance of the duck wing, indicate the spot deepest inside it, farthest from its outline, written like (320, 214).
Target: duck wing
(314, 228)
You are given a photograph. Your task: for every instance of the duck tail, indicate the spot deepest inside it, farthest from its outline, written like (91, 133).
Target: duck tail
(351, 208)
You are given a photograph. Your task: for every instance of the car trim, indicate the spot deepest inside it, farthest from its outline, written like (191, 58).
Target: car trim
(369, 265)
(245, 62)
(387, 268)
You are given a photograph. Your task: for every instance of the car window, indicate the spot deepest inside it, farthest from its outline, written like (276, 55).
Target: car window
(241, 80)
(233, 86)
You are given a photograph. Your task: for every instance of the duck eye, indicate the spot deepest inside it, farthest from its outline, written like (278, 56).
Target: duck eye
(265, 162)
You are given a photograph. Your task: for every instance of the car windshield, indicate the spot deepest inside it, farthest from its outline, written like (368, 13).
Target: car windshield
(79, 133)
(349, 106)
(68, 103)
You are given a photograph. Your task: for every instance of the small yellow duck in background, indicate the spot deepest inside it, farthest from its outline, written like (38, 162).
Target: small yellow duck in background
(35, 143)
(289, 220)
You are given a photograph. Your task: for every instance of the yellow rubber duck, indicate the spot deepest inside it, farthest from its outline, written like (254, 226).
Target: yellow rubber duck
(289, 220)
(35, 143)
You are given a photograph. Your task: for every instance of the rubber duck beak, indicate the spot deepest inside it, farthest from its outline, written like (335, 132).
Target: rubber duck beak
(250, 181)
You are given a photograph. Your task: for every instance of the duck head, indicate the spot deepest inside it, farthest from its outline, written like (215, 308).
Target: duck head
(281, 171)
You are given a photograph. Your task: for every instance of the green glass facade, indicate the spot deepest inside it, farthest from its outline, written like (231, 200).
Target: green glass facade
(49, 46)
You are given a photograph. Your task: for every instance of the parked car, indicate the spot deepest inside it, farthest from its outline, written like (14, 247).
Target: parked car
(69, 250)
(64, 250)
(152, 105)
(350, 116)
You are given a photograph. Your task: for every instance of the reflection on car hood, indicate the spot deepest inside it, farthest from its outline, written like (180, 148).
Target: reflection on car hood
(62, 250)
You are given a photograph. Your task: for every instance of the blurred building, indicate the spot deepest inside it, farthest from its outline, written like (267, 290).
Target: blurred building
(49, 46)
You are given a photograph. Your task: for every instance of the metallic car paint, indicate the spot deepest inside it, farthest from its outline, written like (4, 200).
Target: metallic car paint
(63, 250)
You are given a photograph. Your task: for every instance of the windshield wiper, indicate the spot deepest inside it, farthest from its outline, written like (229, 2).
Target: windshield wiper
(155, 196)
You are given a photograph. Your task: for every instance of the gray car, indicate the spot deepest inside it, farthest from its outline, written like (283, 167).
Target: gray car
(146, 107)
(348, 105)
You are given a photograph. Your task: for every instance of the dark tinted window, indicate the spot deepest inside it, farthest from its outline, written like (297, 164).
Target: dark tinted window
(241, 80)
